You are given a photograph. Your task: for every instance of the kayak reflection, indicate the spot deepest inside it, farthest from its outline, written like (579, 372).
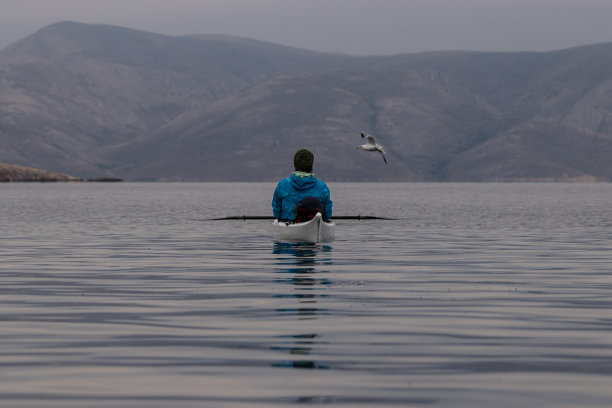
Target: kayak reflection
(301, 266)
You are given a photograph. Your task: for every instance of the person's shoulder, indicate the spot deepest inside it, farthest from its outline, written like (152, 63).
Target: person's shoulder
(321, 183)
(283, 182)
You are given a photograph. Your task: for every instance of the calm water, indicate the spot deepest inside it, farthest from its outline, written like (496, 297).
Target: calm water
(478, 295)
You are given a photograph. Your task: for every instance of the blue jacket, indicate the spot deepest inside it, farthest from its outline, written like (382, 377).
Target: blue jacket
(291, 190)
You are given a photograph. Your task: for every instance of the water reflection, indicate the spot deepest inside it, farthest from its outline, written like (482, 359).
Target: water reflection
(301, 266)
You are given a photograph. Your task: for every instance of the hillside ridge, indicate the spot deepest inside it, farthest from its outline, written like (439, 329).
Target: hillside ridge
(101, 100)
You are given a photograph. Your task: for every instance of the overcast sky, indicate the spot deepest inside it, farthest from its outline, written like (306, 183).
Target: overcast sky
(361, 27)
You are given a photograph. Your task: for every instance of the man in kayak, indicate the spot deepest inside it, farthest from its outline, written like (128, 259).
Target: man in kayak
(300, 196)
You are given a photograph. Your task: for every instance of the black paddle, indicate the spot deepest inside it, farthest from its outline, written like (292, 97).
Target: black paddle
(269, 217)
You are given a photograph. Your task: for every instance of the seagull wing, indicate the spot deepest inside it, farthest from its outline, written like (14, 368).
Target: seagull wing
(370, 140)
(384, 158)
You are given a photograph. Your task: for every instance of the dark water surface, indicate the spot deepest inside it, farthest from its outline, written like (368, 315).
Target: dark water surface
(479, 295)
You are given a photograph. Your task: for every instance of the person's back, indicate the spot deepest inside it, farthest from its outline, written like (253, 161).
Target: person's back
(300, 185)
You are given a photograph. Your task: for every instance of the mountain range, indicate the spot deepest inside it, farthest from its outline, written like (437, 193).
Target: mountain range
(106, 101)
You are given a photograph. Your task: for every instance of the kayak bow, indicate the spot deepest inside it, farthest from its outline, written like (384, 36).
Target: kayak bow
(314, 230)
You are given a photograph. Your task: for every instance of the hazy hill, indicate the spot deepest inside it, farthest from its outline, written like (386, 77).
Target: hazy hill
(100, 100)
(72, 92)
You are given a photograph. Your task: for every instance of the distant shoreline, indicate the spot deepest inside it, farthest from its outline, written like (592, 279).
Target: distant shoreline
(105, 180)
(12, 173)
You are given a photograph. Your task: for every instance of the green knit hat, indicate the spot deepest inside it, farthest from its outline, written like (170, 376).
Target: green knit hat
(302, 161)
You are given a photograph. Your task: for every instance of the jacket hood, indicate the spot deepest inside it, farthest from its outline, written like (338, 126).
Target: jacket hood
(302, 183)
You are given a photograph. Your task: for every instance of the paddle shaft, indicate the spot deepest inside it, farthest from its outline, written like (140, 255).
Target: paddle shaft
(269, 217)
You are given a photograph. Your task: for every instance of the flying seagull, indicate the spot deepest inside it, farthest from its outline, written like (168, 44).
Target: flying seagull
(371, 146)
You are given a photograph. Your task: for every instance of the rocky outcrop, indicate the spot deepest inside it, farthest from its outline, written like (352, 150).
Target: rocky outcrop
(15, 173)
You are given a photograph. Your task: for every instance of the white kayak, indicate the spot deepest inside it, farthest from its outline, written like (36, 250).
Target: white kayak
(315, 230)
